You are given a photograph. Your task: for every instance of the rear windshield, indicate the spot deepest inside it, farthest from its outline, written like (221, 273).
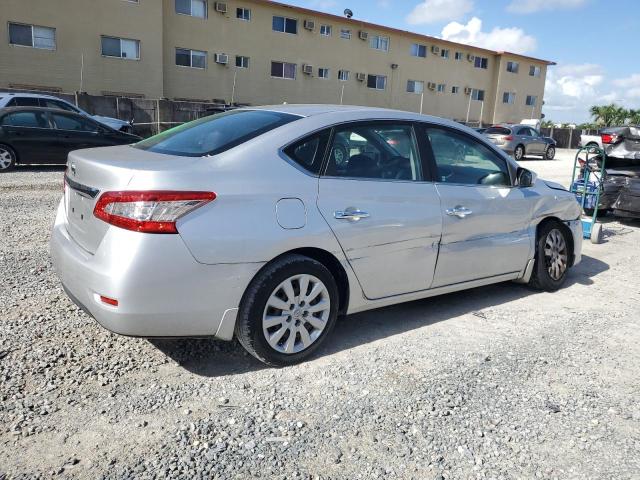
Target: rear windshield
(215, 134)
(497, 131)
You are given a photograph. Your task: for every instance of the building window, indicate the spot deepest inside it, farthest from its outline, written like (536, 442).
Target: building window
(32, 36)
(194, 8)
(455, 90)
(459, 56)
(242, 62)
(325, 30)
(343, 75)
(285, 25)
(346, 34)
(444, 53)
(531, 100)
(513, 67)
(477, 95)
(415, 86)
(441, 88)
(534, 71)
(378, 42)
(121, 48)
(508, 97)
(481, 62)
(243, 14)
(323, 73)
(377, 82)
(418, 50)
(191, 58)
(283, 70)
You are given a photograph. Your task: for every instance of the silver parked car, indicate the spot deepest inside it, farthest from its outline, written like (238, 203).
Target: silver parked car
(10, 99)
(521, 141)
(267, 223)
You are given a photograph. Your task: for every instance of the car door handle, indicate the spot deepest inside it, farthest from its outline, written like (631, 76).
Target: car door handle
(459, 211)
(350, 214)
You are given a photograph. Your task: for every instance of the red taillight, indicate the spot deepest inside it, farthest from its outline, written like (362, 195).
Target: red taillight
(109, 301)
(508, 138)
(148, 211)
(609, 138)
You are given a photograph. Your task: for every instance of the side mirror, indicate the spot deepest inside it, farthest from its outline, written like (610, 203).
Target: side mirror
(526, 178)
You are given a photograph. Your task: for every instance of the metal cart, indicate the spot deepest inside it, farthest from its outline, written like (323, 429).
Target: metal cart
(587, 185)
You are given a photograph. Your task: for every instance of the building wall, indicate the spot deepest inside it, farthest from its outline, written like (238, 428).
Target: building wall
(161, 30)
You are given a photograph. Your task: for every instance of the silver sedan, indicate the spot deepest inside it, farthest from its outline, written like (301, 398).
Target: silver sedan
(268, 223)
(521, 141)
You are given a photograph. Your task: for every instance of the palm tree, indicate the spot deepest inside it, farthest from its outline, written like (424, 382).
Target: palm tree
(609, 115)
(634, 117)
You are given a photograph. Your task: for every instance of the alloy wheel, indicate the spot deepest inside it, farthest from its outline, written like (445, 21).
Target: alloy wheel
(6, 159)
(519, 153)
(555, 254)
(296, 314)
(551, 152)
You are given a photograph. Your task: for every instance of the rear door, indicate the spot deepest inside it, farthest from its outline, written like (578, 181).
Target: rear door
(29, 133)
(485, 219)
(385, 216)
(75, 132)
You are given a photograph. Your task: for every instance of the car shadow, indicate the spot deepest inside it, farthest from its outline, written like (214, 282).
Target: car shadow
(215, 358)
(40, 168)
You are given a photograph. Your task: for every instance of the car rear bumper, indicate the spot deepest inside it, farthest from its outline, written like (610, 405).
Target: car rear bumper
(162, 291)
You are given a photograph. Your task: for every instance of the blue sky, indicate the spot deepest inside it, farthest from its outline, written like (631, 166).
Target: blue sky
(594, 42)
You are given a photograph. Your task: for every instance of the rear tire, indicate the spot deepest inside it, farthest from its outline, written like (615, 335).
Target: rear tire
(8, 158)
(278, 322)
(550, 153)
(552, 258)
(518, 153)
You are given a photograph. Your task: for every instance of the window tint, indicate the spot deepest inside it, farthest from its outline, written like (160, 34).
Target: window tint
(309, 152)
(215, 134)
(498, 131)
(49, 103)
(26, 102)
(524, 131)
(377, 151)
(463, 160)
(77, 124)
(26, 119)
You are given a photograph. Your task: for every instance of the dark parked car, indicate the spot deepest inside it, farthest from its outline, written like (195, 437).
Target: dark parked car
(47, 135)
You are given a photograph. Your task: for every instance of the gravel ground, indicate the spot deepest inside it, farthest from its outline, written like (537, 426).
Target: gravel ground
(498, 382)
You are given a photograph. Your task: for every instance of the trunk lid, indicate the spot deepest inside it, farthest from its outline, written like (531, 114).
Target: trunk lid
(92, 172)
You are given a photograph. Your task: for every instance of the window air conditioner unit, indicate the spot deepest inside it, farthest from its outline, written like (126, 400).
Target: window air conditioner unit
(221, 7)
(431, 86)
(309, 25)
(363, 35)
(470, 57)
(307, 69)
(467, 90)
(361, 77)
(221, 58)
(435, 49)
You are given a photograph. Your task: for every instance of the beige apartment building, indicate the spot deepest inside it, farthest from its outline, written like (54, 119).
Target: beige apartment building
(257, 52)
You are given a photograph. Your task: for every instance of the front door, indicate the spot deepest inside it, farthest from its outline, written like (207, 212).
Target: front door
(29, 133)
(486, 220)
(385, 217)
(74, 132)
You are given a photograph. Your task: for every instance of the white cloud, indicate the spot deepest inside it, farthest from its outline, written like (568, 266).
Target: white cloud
(631, 85)
(434, 11)
(324, 4)
(533, 6)
(502, 39)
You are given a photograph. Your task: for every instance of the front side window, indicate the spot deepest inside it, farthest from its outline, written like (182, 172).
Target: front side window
(323, 72)
(32, 36)
(346, 34)
(242, 62)
(463, 160)
(243, 14)
(215, 134)
(444, 53)
(283, 70)
(343, 75)
(415, 86)
(25, 119)
(508, 97)
(381, 151)
(531, 100)
(121, 48)
(418, 50)
(309, 153)
(191, 58)
(76, 124)
(477, 95)
(378, 42)
(534, 71)
(285, 25)
(50, 103)
(194, 8)
(513, 67)
(481, 62)
(377, 82)
(325, 30)
(525, 131)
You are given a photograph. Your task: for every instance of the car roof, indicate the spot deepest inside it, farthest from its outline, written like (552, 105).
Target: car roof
(30, 95)
(37, 109)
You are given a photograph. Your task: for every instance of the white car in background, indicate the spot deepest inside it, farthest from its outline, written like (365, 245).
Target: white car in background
(11, 99)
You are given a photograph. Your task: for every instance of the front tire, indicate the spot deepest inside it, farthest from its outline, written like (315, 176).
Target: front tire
(288, 311)
(518, 153)
(550, 153)
(552, 258)
(7, 158)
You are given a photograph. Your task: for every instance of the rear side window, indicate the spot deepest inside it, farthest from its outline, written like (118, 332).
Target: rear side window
(215, 134)
(497, 131)
(23, 102)
(25, 119)
(309, 152)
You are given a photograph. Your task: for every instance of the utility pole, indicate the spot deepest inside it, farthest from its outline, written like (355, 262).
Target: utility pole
(421, 102)
(233, 92)
(469, 106)
(342, 94)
